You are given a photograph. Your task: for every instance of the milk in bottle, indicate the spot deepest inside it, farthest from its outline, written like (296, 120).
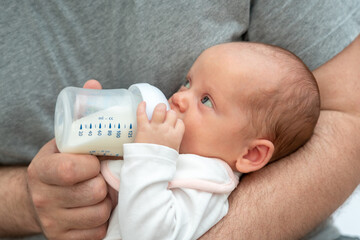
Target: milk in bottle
(99, 122)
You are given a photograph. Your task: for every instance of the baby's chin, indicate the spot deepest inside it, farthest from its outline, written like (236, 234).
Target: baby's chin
(191, 145)
(183, 149)
(189, 149)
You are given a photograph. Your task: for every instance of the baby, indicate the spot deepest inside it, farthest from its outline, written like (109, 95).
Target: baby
(243, 105)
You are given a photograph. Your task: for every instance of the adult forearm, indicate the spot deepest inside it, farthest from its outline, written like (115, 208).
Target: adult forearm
(16, 211)
(339, 81)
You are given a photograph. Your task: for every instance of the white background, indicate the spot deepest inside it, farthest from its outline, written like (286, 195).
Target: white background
(347, 217)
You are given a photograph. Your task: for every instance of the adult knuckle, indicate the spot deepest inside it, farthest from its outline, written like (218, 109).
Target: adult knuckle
(96, 234)
(100, 233)
(99, 188)
(66, 171)
(48, 224)
(94, 160)
(104, 212)
(39, 200)
(31, 172)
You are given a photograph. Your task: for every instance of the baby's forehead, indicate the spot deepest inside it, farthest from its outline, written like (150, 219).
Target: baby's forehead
(253, 67)
(241, 51)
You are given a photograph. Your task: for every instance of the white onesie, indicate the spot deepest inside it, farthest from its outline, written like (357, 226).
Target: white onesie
(166, 195)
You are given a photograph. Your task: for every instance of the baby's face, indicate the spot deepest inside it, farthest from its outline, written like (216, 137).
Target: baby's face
(212, 104)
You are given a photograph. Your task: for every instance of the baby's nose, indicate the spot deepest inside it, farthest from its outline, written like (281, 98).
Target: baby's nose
(180, 101)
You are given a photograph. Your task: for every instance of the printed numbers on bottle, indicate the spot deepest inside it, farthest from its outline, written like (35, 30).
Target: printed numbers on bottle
(130, 134)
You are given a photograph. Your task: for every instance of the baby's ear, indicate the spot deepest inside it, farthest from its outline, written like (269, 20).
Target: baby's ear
(257, 156)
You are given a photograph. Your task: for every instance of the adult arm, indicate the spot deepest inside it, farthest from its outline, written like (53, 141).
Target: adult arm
(17, 215)
(290, 197)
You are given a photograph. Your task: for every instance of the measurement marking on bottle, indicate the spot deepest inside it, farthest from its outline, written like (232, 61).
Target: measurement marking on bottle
(101, 129)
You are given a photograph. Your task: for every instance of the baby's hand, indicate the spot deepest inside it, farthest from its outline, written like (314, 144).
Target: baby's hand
(163, 129)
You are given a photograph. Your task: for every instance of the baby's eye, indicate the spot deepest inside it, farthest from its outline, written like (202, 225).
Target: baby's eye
(207, 102)
(187, 84)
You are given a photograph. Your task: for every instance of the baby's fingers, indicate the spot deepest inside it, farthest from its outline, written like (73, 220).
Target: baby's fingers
(180, 126)
(171, 118)
(159, 113)
(141, 114)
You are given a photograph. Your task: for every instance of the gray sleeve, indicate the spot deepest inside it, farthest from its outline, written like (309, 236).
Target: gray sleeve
(314, 30)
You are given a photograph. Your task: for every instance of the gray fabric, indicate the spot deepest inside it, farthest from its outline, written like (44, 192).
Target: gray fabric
(47, 45)
(314, 30)
(52, 44)
(347, 238)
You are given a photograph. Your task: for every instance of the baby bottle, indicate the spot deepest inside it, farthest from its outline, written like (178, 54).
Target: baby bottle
(99, 122)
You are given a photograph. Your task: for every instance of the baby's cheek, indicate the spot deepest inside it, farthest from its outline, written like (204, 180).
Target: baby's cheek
(185, 144)
(190, 142)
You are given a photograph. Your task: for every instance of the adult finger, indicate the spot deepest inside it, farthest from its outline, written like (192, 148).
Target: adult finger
(87, 217)
(92, 84)
(89, 234)
(86, 193)
(63, 169)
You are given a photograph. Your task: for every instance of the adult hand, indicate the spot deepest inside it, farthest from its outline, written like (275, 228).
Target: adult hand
(69, 194)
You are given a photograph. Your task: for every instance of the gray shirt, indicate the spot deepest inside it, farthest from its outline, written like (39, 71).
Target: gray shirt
(48, 45)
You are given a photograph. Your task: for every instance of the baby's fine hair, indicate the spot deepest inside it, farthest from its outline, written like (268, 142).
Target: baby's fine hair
(286, 115)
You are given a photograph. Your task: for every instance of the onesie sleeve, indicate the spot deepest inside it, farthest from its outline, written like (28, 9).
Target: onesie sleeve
(148, 209)
(313, 30)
